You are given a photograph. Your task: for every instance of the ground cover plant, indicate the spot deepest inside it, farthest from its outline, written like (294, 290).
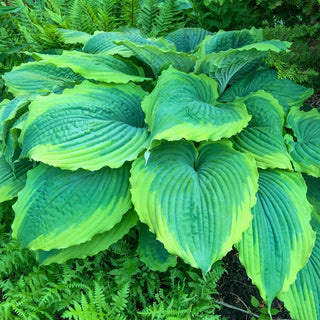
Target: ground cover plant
(114, 284)
(193, 135)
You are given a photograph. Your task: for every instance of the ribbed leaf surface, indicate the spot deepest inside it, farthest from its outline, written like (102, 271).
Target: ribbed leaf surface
(104, 68)
(305, 148)
(152, 252)
(12, 180)
(104, 42)
(225, 40)
(288, 93)
(185, 106)
(196, 201)
(186, 39)
(279, 240)
(39, 77)
(306, 288)
(99, 242)
(263, 135)
(228, 67)
(58, 208)
(302, 299)
(90, 126)
(159, 58)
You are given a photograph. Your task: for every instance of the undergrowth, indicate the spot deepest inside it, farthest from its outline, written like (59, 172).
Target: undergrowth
(302, 63)
(114, 284)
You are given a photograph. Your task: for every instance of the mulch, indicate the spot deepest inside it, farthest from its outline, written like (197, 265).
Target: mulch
(236, 289)
(314, 100)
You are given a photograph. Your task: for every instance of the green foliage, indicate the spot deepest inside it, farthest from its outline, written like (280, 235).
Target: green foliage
(228, 14)
(112, 285)
(208, 146)
(301, 63)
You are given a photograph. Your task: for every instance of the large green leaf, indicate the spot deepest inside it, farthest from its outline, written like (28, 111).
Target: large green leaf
(59, 208)
(74, 36)
(152, 252)
(313, 193)
(104, 42)
(99, 242)
(230, 66)
(186, 39)
(263, 135)
(225, 40)
(196, 201)
(302, 298)
(288, 93)
(12, 180)
(39, 77)
(304, 149)
(161, 58)
(185, 106)
(10, 113)
(279, 240)
(104, 68)
(90, 126)
(11, 148)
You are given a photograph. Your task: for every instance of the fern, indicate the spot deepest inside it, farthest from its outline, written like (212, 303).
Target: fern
(169, 18)
(301, 63)
(130, 12)
(147, 16)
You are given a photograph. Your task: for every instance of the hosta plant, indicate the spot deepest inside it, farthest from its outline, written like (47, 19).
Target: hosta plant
(191, 134)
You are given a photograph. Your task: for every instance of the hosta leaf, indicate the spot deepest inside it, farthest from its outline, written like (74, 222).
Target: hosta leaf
(305, 148)
(90, 126)
(74, 36)
(104, 42)
(105, 68)
(263, 135)
(185, 106)
(313, 193)
(302, 298)
(159, 59)
(3, 104)
(11, 148)
(10, 113)
(288, 93)
(228, 67)
(196, 201)
(12, 180)
(152, 252)
(186, 39)
(279, 240)
(99, 242)
(225, 40)
(39, 77)
(58, 208)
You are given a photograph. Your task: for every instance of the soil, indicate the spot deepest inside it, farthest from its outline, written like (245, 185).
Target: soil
(236, 290)
(314, 100)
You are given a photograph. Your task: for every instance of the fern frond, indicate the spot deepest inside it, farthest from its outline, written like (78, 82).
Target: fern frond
(169, 18)
(130, 12)
(120, 300)
(147, 16)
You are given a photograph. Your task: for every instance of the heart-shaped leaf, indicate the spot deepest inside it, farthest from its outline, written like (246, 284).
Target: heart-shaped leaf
(196, 201)
(90, 126)
(185, 106)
